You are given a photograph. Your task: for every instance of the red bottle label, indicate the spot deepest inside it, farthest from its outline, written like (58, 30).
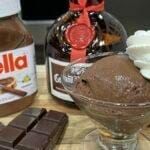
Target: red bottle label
(81, 33)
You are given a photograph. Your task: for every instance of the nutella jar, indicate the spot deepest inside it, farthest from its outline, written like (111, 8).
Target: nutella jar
(18, 84)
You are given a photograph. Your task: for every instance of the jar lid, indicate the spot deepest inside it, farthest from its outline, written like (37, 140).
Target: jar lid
(9, 7)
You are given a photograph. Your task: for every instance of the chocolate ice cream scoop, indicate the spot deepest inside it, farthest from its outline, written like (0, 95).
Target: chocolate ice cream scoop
(114, 79)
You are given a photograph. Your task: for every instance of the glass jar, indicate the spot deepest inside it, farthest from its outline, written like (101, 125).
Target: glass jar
(18, 84)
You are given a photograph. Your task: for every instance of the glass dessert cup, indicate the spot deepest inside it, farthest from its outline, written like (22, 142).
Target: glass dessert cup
(118, 124)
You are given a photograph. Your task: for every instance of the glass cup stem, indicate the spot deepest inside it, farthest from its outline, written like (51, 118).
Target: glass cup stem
(107, 143)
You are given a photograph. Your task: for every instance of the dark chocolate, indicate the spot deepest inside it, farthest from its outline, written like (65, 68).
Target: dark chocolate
(23, 122)
(46, 127)
(34, 129)
(35, 112)
(33, 141)
(55, 116)
(61, 119)
(10, 136)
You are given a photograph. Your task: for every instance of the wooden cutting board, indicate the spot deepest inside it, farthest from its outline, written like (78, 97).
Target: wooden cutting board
(79, 124)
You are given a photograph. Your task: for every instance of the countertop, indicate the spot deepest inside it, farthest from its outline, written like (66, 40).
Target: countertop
(79, 124)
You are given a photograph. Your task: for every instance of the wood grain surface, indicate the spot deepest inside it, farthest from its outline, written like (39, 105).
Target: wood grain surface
(79, 124)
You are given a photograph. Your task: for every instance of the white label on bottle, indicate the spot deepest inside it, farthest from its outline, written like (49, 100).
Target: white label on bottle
(55, 70)
(17, 71)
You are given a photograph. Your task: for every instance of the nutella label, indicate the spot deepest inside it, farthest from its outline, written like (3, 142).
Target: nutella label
(17, 74)
(55, 70)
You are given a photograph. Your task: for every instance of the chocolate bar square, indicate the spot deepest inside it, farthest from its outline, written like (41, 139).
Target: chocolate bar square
(10, 136)
(34, 141)
(23, 122)
(46, 127)
(35, 112)
(55, 116)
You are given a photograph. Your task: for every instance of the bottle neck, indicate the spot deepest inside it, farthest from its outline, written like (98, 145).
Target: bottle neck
(89, 2)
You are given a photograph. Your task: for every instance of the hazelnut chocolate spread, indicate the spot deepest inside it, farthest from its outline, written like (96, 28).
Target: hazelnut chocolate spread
(17, 65)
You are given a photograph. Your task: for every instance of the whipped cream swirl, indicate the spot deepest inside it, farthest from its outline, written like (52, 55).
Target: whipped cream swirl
(139, 51)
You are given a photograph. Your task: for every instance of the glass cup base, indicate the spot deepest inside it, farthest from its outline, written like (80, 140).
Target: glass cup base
(95, 141)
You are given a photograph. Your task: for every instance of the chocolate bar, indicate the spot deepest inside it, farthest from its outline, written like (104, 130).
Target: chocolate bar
(34, 129)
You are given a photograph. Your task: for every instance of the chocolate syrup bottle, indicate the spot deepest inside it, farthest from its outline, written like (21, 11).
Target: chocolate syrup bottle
(84, 30)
